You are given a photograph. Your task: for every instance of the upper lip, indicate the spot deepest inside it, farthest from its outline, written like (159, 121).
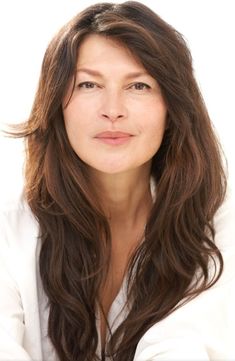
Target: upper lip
(113, 134)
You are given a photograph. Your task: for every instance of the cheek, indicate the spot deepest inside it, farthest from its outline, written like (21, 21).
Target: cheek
(69, 126)
(73, 120)
(73, 129)
(153, 127)
(154, 119)
(155, 137)
(79, 114)
(154, 131)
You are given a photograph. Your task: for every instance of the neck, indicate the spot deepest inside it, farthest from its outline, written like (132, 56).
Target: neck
(125, 197)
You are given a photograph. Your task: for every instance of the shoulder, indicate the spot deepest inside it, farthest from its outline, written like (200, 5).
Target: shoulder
(224, 223)
(227, 209)
(16, 212)
(18, 228)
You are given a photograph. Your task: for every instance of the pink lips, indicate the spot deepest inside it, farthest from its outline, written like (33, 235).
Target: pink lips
(113, 138)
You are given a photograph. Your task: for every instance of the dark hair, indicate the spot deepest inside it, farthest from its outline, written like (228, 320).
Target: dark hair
(75, 234)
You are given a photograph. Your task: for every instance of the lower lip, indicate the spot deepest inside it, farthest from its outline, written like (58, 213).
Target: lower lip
(115, 141)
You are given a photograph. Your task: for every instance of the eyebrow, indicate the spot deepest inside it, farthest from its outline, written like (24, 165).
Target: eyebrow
(97, 73)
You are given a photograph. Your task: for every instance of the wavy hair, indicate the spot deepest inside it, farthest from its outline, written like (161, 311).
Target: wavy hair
(172, 264)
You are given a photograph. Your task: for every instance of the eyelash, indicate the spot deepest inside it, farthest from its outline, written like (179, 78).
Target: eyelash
(91, 85)
(81, 85)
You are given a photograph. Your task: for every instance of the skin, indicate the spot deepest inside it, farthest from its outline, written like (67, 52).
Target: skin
(108, 97)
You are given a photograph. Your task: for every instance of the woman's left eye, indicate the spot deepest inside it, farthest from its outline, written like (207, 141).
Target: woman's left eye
(140, 86)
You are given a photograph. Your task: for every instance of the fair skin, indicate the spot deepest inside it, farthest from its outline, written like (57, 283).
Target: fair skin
(114, 93)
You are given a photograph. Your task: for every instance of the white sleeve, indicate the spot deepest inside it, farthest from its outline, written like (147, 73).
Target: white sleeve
(11, 310)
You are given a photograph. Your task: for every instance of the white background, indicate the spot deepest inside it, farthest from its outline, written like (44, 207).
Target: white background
(26, 27)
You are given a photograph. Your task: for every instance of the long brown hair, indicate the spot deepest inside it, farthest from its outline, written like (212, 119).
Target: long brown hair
(74, 233)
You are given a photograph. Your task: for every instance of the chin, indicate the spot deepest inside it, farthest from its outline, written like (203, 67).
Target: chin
(110, 169)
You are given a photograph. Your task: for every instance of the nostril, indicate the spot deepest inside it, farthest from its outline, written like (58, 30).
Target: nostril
(111, 117)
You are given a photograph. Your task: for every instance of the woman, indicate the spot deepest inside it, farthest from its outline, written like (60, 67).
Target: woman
(122, 247)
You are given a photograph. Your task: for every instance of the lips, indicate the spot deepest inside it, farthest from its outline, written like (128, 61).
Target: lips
(113, 138)
(110, 134)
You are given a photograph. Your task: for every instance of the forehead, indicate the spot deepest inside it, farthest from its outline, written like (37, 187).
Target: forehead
(97, 50)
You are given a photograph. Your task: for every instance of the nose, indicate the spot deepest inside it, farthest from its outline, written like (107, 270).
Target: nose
(113, 106)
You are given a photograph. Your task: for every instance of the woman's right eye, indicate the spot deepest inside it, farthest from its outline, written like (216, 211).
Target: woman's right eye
(87, 85)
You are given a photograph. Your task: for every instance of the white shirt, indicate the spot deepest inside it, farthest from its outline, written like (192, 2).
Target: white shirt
(203, 329)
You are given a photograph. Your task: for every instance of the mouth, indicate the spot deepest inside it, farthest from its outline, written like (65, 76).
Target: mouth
(114, 138)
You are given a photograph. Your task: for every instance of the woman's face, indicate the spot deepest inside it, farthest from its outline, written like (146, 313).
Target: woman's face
(115, 119)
